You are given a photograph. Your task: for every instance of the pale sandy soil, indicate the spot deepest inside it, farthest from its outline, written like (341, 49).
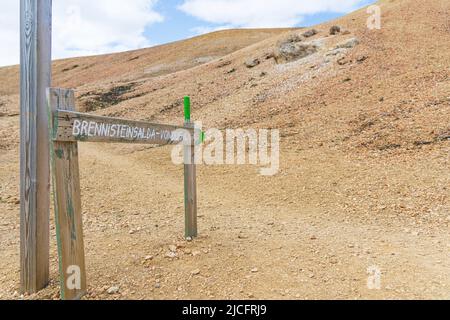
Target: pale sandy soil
(364, 178)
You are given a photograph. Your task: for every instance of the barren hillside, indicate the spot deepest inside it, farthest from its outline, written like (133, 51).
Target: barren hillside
(364, 181)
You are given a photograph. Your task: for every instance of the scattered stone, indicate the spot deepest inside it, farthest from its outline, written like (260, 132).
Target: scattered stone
(269, 55)
(342, 61)
(291, 51)
(346, 32)
(335, 52)
(255, 270)
(173, 248)
(252, 63)
(313, 238)
(293, 37)
(224, 64)
(334, 261)
(196, 272)
(348, 44)
(263, 74)
(362, 58)
(180, 245)
(189, 239)
(334, 30)
(231, 71)
(171, 255)
(148, 258)
(310, 33)
(113, 290)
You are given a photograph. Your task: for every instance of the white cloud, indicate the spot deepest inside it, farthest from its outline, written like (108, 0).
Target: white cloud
(9, 32)
(208, 29)
(258, 14)
(84, 27)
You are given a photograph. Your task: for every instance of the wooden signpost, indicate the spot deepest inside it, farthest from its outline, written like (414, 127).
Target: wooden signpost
(50, 130)
(67, 128)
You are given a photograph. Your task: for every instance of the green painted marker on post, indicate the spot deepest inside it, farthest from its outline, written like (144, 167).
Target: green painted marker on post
(187, 109)
(187, 116)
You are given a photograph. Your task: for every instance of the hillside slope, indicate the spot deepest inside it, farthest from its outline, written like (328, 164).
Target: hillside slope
(364, 180)
(144, 63)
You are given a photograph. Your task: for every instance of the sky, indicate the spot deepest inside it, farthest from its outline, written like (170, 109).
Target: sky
(88, 27)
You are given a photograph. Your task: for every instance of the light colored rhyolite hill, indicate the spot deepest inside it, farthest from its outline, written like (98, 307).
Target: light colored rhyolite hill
(364, 177)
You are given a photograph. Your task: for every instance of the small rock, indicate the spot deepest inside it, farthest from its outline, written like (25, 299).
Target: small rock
(147, 258)
(223, 64)
(362, 58)
(310, 33)
(335, 52)
(189, 239)
(348, 44)
(173, 248)
(334, 30)
(255, 270)
(252, 63)
(171, 255)
(293, 37)
(291, 51)
(113, 290)
(269, 55)
(342, 61)
(196, 272)
(313, 238)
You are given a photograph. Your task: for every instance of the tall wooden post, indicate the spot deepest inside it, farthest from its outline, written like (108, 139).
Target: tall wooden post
(190, 178)
(35, 77)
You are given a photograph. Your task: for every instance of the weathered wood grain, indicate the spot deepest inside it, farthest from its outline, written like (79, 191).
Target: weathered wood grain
(190, 188)
(67, 197)
(74, 126)
(35, 77)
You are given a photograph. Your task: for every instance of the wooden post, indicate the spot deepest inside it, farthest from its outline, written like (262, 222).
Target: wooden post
(35, 77)
(190, 178)
(67, 197)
